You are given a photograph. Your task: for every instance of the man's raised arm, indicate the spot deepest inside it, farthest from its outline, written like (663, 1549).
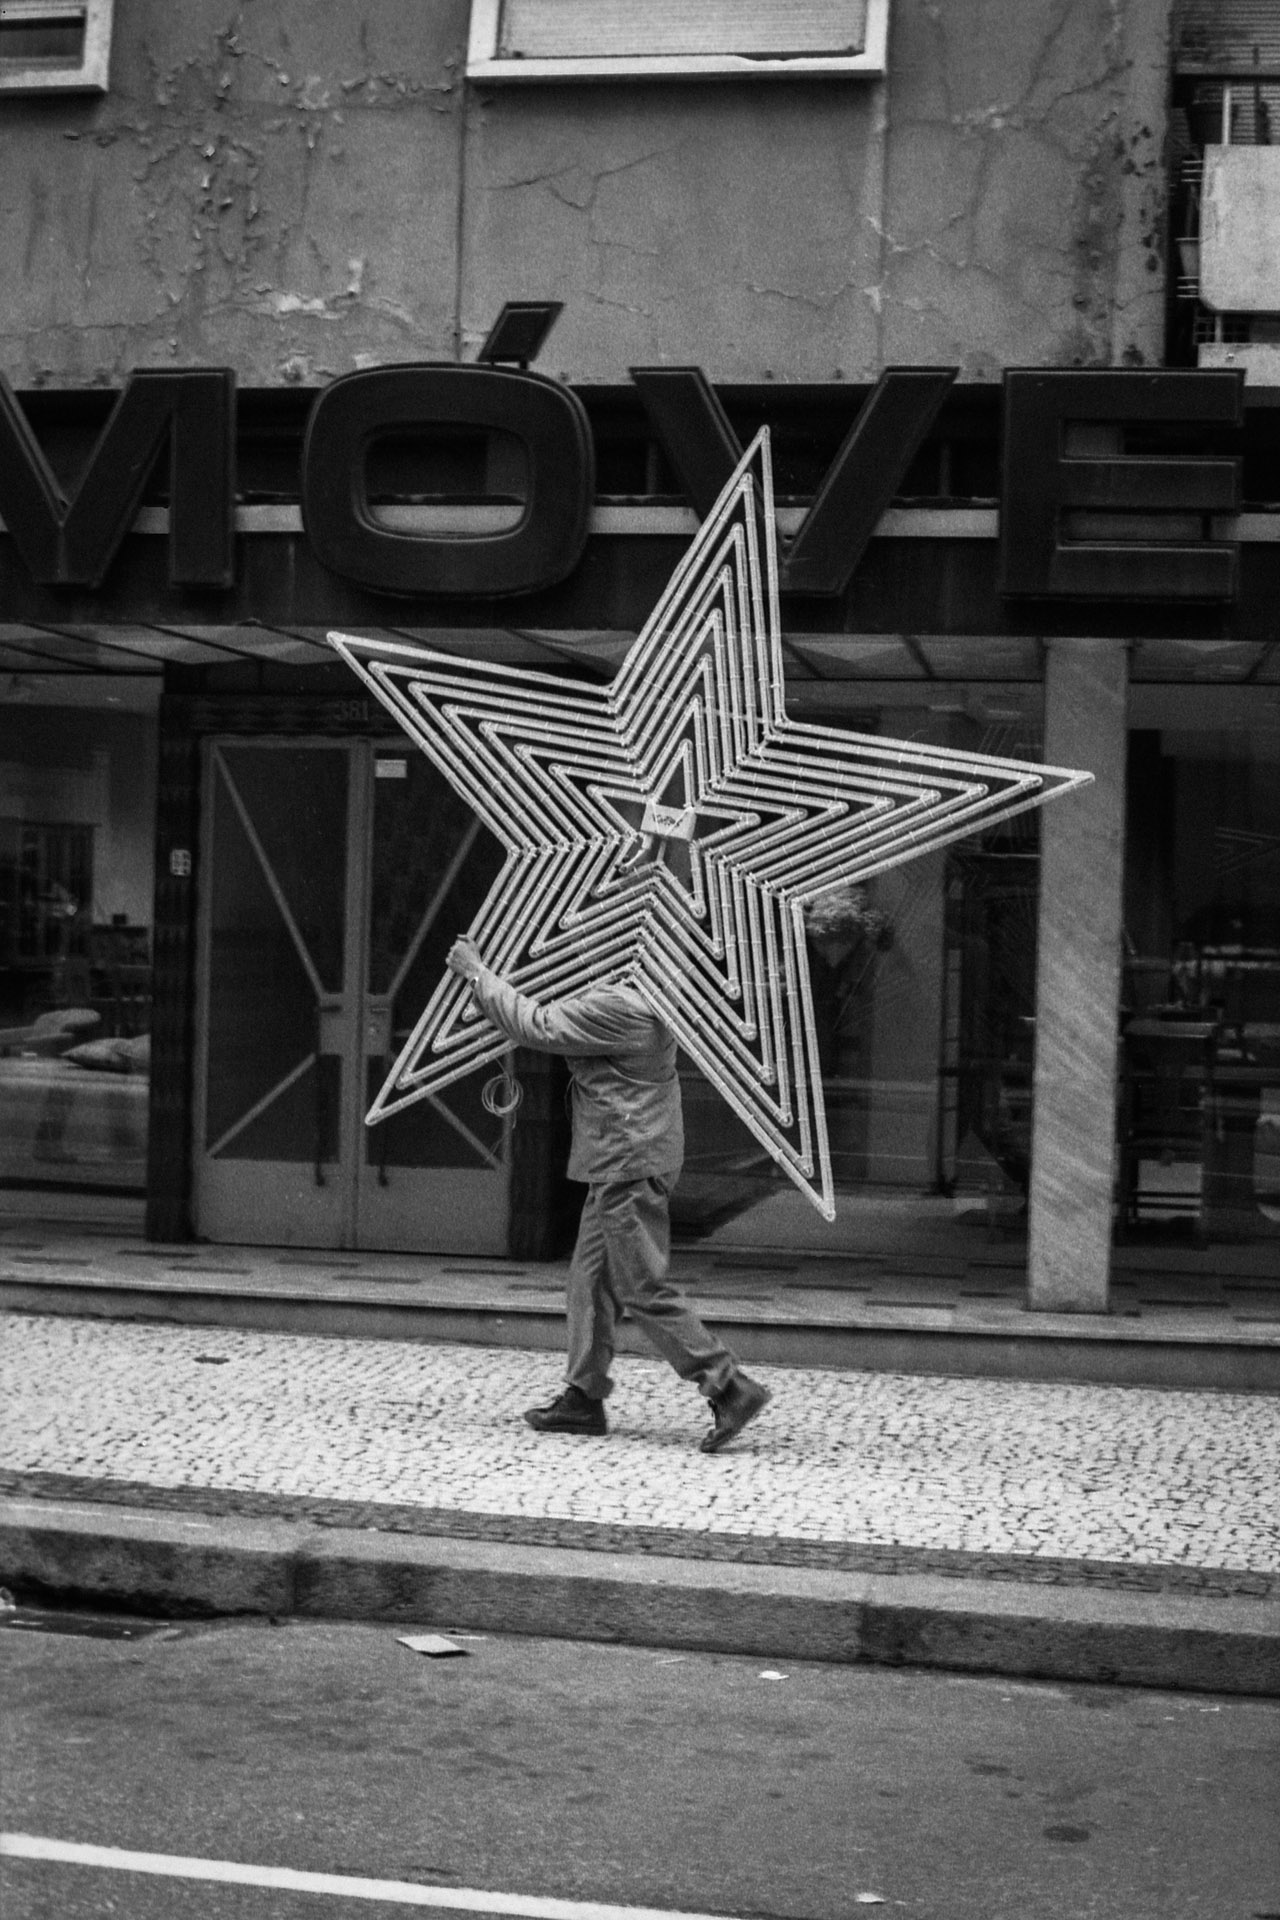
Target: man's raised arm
(605, 1019)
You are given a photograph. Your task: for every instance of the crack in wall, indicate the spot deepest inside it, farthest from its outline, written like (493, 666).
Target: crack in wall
(245, 200)
(220, 212)
(1070, 111)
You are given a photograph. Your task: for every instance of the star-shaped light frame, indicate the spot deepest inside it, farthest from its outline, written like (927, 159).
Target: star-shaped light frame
(671, 827)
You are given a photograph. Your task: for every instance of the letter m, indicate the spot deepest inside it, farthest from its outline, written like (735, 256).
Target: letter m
(71, 542)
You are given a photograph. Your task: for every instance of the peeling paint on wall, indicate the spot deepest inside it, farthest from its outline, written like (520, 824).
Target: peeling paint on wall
(297, 191)
(264, 186)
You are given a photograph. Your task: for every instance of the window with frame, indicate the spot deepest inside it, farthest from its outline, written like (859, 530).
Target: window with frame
(1224, 125)
(55, 46)
(616, 39)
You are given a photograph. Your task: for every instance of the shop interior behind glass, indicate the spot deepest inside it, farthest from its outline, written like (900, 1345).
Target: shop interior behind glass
(77, 837)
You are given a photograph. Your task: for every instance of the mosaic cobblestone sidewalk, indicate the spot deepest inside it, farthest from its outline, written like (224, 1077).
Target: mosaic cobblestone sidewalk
(1117, 1485)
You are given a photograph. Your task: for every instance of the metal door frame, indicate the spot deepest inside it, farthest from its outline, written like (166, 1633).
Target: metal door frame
(340, 1212)
(350, 1211)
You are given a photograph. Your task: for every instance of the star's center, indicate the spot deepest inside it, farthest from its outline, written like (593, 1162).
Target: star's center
(667, 822)
(661, 825)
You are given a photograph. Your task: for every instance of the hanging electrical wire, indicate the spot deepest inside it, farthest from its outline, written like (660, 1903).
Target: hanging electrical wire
(501, 1095)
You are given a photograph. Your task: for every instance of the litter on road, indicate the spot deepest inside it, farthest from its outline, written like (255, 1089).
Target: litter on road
(434, 1645)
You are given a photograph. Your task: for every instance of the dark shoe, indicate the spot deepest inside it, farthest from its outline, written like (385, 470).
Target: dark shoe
(740, 1402)
(570, 1412)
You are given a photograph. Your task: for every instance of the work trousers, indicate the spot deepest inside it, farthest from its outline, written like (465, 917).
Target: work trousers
(621, 1260)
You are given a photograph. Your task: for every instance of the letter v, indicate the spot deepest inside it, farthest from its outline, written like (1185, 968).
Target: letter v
(697, 437)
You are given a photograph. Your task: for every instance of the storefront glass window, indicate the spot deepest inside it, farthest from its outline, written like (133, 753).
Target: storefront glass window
(1199, 1083)
(77, 833)
(924, 987)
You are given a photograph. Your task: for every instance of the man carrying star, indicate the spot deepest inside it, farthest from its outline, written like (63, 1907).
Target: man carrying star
(628, 1145)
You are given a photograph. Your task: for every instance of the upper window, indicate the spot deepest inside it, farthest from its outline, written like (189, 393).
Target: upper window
(619, 39)
(1223, 132)
(55, 46)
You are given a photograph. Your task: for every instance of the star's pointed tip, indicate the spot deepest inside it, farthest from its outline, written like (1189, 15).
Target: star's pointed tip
(821, 1199)
(1065, 779)
(755, 464)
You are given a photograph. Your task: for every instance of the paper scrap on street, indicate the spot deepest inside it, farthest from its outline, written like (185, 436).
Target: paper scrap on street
(434, 1645)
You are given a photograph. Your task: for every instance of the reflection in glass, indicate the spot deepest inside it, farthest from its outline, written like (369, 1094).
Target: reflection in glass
(276, 919)
(1199, 1087)
(77, 835)
(924, 991)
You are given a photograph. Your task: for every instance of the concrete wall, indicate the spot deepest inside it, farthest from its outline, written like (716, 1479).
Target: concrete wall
(297, 188)
(273, 187)
(1025, 186)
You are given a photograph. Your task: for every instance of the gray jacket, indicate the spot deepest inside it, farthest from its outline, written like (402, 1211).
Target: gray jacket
(627, 1122)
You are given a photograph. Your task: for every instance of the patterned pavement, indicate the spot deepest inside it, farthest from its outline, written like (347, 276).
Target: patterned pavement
(1037, 1474)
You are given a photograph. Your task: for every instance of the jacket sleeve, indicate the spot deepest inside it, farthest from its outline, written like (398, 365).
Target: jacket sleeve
(600, 1020)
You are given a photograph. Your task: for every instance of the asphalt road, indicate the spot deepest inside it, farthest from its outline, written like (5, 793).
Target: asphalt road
(620, 1775)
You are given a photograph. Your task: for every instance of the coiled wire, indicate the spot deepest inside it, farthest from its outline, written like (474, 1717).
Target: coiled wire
(501, 1095)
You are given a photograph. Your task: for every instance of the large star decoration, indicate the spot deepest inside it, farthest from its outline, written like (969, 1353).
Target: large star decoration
(671, 827)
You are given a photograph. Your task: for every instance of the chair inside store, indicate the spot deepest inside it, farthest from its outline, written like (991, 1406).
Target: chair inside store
(1166, 1078)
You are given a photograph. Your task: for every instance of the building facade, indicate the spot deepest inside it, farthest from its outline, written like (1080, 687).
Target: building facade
(324, 318)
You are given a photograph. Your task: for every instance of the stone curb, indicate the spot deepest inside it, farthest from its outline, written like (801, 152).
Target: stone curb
(1099, 1349)
(187, 1563)
(621, 1537)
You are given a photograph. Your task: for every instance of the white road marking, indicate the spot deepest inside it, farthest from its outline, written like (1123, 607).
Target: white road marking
(176, 1866)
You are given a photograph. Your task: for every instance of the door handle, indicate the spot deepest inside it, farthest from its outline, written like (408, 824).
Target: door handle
(377, 1046)
(377, 1027)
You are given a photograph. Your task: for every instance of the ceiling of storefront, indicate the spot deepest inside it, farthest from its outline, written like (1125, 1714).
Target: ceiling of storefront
(69, 665)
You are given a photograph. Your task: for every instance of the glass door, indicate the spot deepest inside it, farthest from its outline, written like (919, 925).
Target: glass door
(434, 1176)
(279, 967)
(338, 874)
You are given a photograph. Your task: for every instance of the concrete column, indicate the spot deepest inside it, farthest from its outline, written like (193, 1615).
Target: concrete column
(1078, 981)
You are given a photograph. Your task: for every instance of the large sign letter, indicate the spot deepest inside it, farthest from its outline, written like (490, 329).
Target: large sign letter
(891, 425)
(1044, 482)
(72, 543)
(358, 409)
